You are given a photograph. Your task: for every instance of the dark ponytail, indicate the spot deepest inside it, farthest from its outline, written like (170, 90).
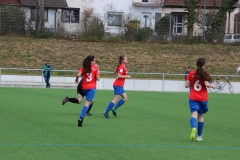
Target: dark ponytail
(201, 72)
(121, 58)
(87, 63)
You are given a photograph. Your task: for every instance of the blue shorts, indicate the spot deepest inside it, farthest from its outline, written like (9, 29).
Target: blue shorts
(89, 93)
(118, 90)
(200, 107)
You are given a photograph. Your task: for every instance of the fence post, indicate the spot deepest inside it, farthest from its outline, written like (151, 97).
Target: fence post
(0, 76)
(163, 82)
(42, 78)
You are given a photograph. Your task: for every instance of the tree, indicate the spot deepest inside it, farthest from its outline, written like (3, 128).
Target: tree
(87, 14)
(164, 26)
(191, 16)
(219, 22)
(93, 26)
(40, 16)
(12, 20)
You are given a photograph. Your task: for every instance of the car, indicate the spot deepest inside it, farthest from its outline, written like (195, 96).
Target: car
(231, 38)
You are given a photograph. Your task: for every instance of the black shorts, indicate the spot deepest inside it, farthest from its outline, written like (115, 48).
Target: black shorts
(79, 88)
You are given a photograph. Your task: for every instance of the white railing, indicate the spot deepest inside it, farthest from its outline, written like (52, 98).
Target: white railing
(156, 82)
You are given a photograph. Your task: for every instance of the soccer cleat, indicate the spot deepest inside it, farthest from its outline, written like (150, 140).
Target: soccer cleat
(65, 100)
(192, 135)
(105, 114)
(80, 121)
(88, 114)
(114, 112)
(199, 138)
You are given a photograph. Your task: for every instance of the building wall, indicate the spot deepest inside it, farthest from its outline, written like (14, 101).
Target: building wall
(51, 18)
(197, 29)
(175, 10)
(75, 27)
(125, 6)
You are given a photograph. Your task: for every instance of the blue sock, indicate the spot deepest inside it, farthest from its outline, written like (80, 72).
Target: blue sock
(193, 122)
(84, 112)
(200, 128)
(120, 103)
(110, 106)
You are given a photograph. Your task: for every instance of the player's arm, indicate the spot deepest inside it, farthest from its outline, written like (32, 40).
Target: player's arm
(97, 64)
(98, 77)
(79, 74)
(119, 75)
(209, 85)
(187, 83)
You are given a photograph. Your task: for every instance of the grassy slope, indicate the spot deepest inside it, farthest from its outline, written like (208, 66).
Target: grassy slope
(21, 52)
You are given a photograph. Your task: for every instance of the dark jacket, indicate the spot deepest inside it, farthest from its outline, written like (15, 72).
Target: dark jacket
(46, 70)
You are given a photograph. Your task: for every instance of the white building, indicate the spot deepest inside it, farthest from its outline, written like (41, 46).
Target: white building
(114, 12)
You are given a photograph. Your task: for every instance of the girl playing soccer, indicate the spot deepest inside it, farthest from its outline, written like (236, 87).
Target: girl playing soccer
(118, 85)
(198, 80)
(90, 74)
(80, 94)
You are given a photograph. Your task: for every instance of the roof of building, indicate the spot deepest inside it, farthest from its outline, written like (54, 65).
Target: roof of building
(237, 15)
(47, 3)
(10, 2)
(209, 3)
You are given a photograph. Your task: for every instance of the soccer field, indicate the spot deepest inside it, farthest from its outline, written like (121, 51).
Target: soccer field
(150, 125)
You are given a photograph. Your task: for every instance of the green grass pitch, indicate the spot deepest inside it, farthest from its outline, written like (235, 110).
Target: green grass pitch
(150, 125)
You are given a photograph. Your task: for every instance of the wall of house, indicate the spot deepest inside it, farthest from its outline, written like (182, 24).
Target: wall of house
(125, 6)
(51, 18)
(73, 28)
(68, 27)
(51, 23)
(231, 27)
(175, 10)
(198, 29)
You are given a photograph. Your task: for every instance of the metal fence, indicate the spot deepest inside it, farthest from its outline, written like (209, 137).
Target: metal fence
(37, 79)
(119, 25)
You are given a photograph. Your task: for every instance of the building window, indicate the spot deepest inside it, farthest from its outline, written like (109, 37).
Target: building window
(157, 18)
(178, 24)
(145, 1)
(33, 15)
(115, 19)
(168, 14)
(70, 16)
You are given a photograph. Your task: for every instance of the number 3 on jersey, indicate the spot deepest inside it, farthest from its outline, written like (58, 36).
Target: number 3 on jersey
(89, 77)
(197, 86)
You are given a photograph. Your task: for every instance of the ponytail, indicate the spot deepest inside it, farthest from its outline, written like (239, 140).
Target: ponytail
(87, 63)
(121, 58)
(201, 72)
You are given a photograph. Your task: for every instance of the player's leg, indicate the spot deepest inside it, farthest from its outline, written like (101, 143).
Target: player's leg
(111, 105)
(73, 100)
(120, 103)
(200, 127)
(117, 93)
(203, 109)
(89, 109)
(89, 98)
(194, 107)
